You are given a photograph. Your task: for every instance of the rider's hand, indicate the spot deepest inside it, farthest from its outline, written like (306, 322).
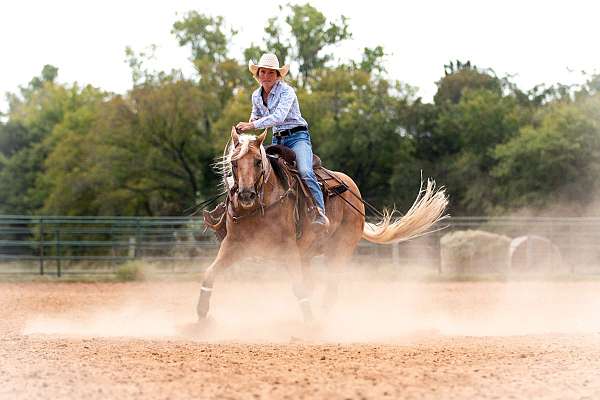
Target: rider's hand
(245, 126)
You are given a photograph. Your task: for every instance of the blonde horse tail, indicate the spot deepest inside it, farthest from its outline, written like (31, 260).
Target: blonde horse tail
(426, 211)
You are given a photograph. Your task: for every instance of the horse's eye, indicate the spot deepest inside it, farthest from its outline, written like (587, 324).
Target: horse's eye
(257, 163)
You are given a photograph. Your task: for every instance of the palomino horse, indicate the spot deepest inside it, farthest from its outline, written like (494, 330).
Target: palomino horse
(260, 219)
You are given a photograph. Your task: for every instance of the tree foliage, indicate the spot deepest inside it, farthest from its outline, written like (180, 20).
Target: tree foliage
(460, 77)
(557, 159)
(72, 150)
(30, 135)
(205, 35)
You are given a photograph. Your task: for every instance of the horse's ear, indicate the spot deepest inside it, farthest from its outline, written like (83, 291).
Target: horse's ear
(261, 138)
(234, 136)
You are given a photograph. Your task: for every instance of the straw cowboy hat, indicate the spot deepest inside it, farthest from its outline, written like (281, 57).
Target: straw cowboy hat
(268, 60)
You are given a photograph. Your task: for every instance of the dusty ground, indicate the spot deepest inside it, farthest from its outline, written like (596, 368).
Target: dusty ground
(386, 340)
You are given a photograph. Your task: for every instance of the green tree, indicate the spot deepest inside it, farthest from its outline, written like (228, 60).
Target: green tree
(13, 137)
(147, 154)
(219, 75)
(432, 141)
(205, 35)
(554, 161)
(356, 130)
(137, 62)
(480, 121)
(310, 33)
(420, 120)
(33, 116)
(372, 60)
(253, 53)
(70, 180)
(48, 75)
(459, 77)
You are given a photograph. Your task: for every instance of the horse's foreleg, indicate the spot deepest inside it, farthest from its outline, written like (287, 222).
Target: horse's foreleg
(226, 256)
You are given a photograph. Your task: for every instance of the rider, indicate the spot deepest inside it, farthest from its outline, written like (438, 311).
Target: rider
(274, 104)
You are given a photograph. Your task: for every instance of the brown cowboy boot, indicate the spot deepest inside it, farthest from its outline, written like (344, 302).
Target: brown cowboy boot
(320, 220)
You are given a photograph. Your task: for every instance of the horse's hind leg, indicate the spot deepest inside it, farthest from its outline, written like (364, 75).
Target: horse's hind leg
(338, 254)
(226, 256)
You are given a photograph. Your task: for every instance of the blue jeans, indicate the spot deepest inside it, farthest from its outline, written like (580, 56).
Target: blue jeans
(300, 143)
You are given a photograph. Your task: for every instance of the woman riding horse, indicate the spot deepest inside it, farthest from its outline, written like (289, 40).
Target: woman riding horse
(261, 206)
(274, 104)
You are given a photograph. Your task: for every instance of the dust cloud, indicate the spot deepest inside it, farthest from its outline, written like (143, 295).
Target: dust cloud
(370, 309)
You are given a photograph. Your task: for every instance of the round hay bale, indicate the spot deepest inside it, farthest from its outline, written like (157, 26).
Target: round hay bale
(534, 253)
(473, 251)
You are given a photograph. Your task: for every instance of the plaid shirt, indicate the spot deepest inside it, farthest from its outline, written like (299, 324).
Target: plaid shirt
(281, 112)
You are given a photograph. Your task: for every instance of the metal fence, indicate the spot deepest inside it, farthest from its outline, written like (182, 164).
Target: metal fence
(53, 245)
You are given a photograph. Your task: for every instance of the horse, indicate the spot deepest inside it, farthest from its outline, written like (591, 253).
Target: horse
(260, 220)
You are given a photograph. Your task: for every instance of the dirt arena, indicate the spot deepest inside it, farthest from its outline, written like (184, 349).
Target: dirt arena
(484, 340)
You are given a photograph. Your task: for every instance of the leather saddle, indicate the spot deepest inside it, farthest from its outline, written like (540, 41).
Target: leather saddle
(329, 183)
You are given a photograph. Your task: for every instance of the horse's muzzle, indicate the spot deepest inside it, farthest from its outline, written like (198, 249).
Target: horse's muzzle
(247, 198)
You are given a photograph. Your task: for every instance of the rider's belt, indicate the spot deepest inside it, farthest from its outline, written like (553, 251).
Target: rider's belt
(288, 132)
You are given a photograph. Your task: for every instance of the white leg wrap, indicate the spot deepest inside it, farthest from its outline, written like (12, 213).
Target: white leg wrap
(206, 289)
(304, 300)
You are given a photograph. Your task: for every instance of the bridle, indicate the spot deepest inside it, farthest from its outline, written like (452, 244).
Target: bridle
(259, 186)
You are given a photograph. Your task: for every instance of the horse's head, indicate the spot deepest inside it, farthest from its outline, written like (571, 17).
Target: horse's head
(247, 160)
